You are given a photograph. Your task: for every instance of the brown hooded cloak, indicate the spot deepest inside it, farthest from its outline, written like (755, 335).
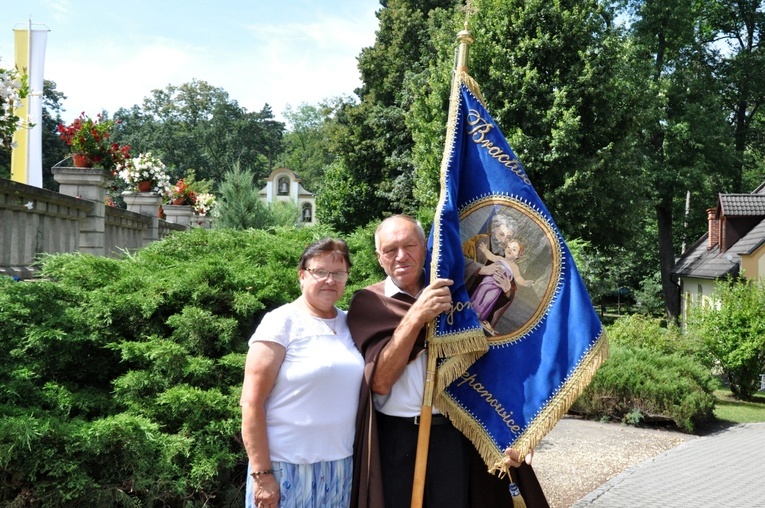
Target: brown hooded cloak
(372, 319)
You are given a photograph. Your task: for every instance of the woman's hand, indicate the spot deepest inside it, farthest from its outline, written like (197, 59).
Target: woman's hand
(266, 491)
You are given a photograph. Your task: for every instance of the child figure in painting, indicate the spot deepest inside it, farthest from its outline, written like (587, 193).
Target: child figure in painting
(504, 268)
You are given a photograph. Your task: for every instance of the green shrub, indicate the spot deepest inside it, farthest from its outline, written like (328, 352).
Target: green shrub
(732, 334)
(637, 384)
(240, 206)
(638, 330)
(122, 377)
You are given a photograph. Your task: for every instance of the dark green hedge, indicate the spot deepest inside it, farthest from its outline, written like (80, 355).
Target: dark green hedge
(651, 376)
(121, 377)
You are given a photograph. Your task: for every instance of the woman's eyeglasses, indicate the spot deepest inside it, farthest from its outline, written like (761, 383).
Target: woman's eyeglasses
(324, 275)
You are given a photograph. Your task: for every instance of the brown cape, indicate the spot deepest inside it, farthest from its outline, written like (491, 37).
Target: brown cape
(372, 319)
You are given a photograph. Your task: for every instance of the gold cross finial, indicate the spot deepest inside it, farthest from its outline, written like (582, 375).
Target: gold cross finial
(468, 9)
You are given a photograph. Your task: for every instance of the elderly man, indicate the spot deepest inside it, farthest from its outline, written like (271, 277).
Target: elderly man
(387, 321)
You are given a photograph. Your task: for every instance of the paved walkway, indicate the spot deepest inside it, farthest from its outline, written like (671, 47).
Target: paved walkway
(725, 469)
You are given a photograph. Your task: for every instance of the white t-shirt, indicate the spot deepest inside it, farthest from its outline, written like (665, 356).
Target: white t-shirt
(405, 396)
(311, 412)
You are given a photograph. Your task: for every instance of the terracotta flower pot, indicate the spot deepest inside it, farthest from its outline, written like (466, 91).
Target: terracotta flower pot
(144, 186)
(179, 201)
(80, 160)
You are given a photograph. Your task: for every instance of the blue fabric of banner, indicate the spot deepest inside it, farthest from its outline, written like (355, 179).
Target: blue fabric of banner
(517, 293)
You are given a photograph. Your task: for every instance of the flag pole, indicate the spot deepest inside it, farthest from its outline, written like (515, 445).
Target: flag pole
(423, 433)
(426, 411)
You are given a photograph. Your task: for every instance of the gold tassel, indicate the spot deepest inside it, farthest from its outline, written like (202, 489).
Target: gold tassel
(518, 501)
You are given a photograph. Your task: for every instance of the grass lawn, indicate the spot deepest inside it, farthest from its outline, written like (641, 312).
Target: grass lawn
(737, 411)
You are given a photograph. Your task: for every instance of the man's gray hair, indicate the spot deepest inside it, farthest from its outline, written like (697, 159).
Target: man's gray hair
(420, 231)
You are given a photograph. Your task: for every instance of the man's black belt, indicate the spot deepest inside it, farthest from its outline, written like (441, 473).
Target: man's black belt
(436, 419)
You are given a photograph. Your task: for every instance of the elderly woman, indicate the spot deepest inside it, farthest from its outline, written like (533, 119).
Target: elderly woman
(300, 392)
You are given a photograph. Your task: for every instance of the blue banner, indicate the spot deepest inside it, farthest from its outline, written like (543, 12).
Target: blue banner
(517, 292)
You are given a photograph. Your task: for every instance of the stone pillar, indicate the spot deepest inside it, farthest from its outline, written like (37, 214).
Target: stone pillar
(145, 203)
(179, 214)
(90, 184)
(201, 221)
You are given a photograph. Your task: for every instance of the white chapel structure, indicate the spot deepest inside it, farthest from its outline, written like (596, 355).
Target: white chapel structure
(283, 184)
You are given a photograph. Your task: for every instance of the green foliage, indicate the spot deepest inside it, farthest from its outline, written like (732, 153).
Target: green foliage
(648, 300)
(732, 334)
(637, 384)
(284, 213)
(240, 206)
(551, 73)
(427, 94)
(641, 331)
(687, 144)
(196, 125)
(375, 173)
(345, 203)
(123, 376)
(590, 266)
(740, 26)
(307, 149)
(366, 270)
(54, 149)
(607, 272)
(651, 375)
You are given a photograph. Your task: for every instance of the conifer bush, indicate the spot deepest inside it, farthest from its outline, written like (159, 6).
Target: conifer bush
(652, 376)
(659, 387)
(121, 379)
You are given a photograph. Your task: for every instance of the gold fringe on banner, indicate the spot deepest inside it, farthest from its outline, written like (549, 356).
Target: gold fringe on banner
(541, 425)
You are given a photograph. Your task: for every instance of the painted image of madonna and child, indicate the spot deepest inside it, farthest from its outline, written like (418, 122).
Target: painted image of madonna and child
(508, 267)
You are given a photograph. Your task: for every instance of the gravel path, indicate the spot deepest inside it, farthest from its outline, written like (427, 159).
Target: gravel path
(578, 456)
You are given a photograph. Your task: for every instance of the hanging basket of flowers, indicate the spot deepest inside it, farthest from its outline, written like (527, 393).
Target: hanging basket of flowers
(145, 173)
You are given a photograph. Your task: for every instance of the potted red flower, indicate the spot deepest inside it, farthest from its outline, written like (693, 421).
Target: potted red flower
(182, 193)
(90, 144)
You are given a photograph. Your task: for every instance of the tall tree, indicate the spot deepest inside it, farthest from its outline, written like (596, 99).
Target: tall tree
(240, 206)
(556, 78)
(196, 126)
(306, 142)
(736, 29)
(53, 149)
(687, 146)
(372, 140)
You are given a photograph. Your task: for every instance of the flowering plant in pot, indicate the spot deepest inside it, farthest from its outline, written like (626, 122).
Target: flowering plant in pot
(89, 143)
(204, 203)
(145, 173)
(182, 193)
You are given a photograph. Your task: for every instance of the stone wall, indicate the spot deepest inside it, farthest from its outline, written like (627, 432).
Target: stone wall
(34, 221)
